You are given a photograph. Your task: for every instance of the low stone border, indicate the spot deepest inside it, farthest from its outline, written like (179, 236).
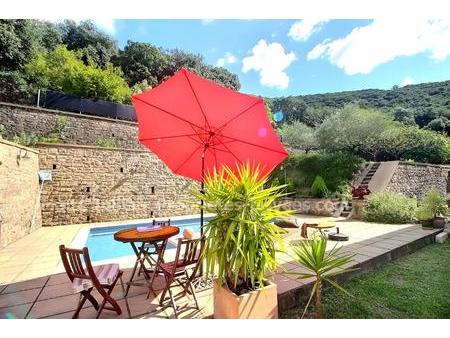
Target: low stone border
(293, 297)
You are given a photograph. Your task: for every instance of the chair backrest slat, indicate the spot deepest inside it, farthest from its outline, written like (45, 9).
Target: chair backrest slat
(162, 223)
(189, 252)
(73, 263)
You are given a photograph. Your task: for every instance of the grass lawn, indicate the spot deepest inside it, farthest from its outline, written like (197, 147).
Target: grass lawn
(415, 286)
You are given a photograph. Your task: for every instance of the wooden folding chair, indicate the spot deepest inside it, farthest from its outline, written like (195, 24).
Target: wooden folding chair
(85, 278)
(188, 257)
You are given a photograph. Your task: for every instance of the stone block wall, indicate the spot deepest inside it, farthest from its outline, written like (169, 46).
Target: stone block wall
(314, 206)
(92, 184)
(81, 129)
(19, 190)
(415, 179)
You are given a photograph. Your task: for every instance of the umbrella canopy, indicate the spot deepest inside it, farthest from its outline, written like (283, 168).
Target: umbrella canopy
(187, 118)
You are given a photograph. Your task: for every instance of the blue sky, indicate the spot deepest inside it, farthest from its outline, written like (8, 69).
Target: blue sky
(292, 57)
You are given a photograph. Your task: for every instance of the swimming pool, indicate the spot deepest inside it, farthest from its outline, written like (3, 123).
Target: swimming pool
(102, 246)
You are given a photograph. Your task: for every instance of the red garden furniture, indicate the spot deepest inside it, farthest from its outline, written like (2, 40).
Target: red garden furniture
(182, 270)
(85, 278)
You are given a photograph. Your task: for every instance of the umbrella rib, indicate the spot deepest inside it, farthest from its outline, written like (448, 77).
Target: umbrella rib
(228, 149)
(255, 145)
(239, 114)
(165, 137)
(196, 98)
(188, 158)
(165, 111)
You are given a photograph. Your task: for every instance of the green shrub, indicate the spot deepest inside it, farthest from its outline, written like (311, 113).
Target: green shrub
(26, 139)
(60, 128)
(301, 169)
(391, 208)
(29, 140)
(432, 205)
(319, 188)
(108, 142)
(64, 70)
(344, 192)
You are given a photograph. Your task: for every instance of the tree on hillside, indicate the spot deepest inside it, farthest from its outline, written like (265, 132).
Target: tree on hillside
(404, 115)
(95, 46)
(221, 76)
(298, 135)
(142, 61)
(16, 44)
(314, 117)
(64, 70)
(411, 143)
(354, 129)
(181, 59)
(293, 108)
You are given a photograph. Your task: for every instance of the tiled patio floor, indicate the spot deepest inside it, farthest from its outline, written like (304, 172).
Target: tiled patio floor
(30, 289)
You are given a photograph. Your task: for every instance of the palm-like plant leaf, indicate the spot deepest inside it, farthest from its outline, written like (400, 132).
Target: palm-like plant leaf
(321, 264)
(241, 239)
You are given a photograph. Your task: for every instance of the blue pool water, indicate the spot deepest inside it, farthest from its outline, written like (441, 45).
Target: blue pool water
(101, 243)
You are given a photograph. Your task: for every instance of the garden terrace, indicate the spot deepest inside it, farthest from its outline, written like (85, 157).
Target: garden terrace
(32, 285)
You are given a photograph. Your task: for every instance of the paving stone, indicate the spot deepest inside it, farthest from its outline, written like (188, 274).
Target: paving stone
(386, 245)
(26, 285)
(372, 251)
(54, 306)
(285, 284)
(15, 312)
(58, 279)
(19, 298)
(441, 237)
(54, 291)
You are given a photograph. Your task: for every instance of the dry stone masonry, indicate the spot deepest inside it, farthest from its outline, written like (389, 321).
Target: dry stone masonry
(19, 186)
(81, 129)
(415, 179)
(92, 184)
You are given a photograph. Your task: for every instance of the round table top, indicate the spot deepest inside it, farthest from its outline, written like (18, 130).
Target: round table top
(132, 235)
(320, 226)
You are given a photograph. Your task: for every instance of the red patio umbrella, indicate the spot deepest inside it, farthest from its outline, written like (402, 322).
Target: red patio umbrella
(194, 125)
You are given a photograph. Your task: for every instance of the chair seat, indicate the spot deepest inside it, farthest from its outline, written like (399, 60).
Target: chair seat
(106, 275)
(168, 267)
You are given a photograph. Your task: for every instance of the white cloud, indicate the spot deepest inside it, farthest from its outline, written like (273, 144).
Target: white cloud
(407, 81)
(106, 25)
(227, 59)
(271, 61)
(303, 29)
(384, 40)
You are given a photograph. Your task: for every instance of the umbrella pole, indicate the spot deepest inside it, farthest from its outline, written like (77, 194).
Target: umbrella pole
(202, 202)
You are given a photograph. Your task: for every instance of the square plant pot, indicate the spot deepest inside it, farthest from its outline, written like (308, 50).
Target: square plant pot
(258, 304)
(427, 224)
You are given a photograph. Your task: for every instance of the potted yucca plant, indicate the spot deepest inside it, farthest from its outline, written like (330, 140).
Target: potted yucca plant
(241, 241)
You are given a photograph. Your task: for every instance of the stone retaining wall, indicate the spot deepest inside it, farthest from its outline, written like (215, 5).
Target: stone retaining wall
(415, 179)
(81, 129)
(314, 206)
(19, 189)
(92, 184)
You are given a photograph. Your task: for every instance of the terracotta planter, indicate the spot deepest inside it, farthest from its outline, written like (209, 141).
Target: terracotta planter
(259, 304)
(439, 222)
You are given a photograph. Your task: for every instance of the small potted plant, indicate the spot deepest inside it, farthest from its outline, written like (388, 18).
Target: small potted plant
(432, 210)
(241, 242)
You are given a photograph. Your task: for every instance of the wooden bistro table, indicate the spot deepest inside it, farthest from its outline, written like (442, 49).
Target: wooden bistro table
(140, 241)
